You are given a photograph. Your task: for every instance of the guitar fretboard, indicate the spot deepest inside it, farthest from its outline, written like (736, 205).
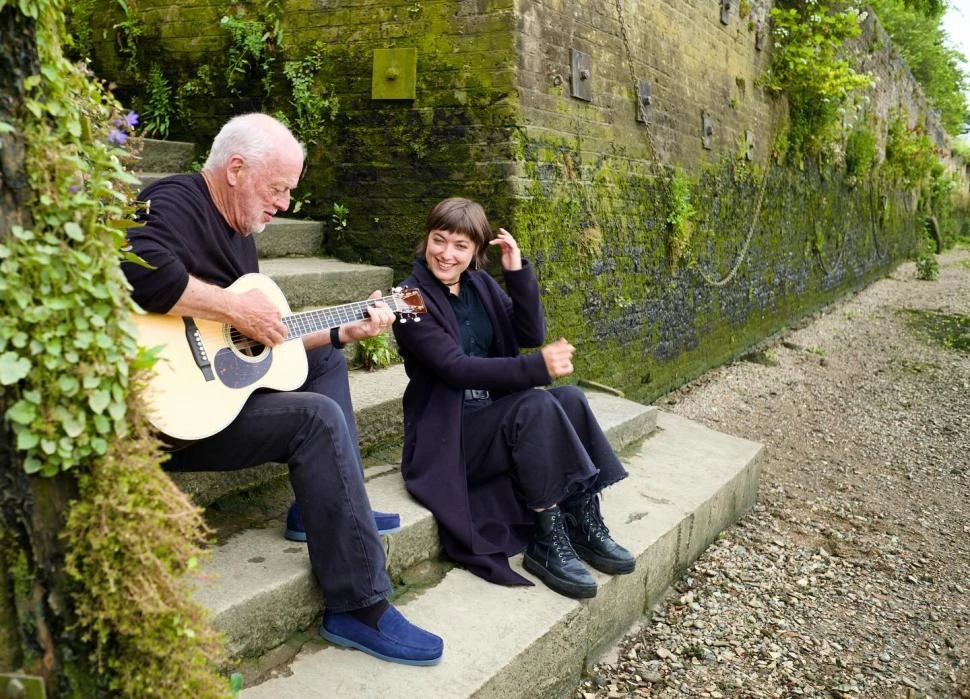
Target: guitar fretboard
(307, 322)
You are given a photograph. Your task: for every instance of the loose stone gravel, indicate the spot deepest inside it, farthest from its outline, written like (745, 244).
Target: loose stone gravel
(851, 575)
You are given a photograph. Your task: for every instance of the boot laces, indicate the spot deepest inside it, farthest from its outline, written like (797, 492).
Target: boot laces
(560, 540)
(593, 521)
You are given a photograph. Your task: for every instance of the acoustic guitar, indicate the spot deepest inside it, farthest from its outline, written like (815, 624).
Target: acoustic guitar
(206, 370)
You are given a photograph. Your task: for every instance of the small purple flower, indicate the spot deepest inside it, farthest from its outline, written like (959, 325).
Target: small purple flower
(131, 118)
(117, 137)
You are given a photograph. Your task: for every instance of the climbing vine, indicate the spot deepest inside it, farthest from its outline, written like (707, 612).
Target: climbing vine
(69, 367)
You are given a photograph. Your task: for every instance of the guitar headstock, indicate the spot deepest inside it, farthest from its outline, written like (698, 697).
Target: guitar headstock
(407, 303)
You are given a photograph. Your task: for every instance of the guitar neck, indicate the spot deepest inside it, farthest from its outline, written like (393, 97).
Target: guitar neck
(308, 322)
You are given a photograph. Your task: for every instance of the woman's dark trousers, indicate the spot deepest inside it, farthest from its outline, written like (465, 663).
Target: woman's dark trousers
(547, 440)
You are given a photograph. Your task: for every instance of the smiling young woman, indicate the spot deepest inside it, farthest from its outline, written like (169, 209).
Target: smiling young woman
(502, 466)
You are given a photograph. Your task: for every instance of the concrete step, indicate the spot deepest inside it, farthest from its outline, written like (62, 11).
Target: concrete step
(163, 156)
(377, 407)
(316, 282)
(259, 586)
(687, 483)
(287, 237)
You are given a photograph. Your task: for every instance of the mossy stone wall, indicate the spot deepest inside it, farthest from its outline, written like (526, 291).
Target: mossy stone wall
(584, 185)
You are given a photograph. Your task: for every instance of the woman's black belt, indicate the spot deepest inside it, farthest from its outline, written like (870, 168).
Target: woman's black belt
(476, 394)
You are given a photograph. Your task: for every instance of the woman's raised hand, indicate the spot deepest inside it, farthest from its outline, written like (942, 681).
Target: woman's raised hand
(559, 358)
(511, 256)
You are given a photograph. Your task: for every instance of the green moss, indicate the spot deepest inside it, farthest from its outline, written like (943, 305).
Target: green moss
(949, 330)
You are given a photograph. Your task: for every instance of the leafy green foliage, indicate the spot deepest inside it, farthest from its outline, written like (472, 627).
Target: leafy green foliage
(338, 221)
(159, 107)
(910, 156)
(374, 352)
(927, 266)
(68, 357)
(916, 31)
(808, 66)
(247, 52)
(312, 107)
(134, 536)
(680, 218)
(65, 335)
(130, 32)
(861, 152)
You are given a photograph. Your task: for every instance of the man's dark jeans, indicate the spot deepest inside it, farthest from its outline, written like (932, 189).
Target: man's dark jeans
(313, 430)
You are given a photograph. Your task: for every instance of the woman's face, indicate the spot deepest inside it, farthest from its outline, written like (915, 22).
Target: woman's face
(448, 255)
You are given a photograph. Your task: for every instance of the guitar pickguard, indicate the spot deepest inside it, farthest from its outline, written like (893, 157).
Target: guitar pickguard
(236, 372)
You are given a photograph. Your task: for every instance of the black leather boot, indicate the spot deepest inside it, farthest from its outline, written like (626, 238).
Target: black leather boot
(550, 558)
(591, 539)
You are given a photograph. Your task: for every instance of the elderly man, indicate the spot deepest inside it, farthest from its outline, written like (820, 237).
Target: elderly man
(197, 237)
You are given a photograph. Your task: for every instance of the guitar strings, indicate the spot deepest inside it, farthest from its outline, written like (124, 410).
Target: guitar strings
(295, 320)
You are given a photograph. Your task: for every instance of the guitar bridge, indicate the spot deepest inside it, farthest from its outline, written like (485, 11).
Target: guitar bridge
(194, 338)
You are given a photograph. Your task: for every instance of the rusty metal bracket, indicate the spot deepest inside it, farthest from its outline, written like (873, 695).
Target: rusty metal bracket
(707, 130)
(749, 145)
(725, 11)
(581, 76)
(395, 74)
(646, 100)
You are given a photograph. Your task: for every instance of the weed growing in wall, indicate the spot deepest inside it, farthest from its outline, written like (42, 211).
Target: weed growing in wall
(909, 153)
(313, 105)
(374, 353)
(680, 219)
(861, 153)
(159, 109)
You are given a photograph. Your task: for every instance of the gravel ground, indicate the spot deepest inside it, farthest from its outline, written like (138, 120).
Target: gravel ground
(851, 576)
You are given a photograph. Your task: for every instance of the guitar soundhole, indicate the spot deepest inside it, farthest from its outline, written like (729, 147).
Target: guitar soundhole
(244, 346)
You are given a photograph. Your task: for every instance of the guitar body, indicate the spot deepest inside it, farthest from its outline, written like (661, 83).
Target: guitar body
(207, 371)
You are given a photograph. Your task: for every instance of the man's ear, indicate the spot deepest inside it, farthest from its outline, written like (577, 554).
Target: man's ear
(235, 165)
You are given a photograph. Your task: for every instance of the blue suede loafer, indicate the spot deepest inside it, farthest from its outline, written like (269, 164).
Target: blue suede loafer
(387, 523)
(395, 639)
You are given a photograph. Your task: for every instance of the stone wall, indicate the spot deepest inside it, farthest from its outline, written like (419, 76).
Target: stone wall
(693, 63)
(588, 190)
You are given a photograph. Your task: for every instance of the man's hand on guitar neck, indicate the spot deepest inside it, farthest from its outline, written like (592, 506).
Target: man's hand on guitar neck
(379, 319)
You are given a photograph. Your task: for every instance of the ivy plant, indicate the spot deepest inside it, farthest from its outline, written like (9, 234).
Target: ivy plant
(70, 382)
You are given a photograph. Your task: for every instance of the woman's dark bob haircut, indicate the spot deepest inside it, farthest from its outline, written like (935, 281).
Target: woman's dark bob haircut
(459, 215)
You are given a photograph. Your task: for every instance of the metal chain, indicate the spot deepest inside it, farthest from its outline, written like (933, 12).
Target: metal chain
(820, 258)
(747, 241)
(641, 112)
(642, 115)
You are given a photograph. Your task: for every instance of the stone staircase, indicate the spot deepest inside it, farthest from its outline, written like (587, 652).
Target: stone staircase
(687, 484)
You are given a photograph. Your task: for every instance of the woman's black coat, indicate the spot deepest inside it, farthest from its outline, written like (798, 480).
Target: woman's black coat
(480, 525)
